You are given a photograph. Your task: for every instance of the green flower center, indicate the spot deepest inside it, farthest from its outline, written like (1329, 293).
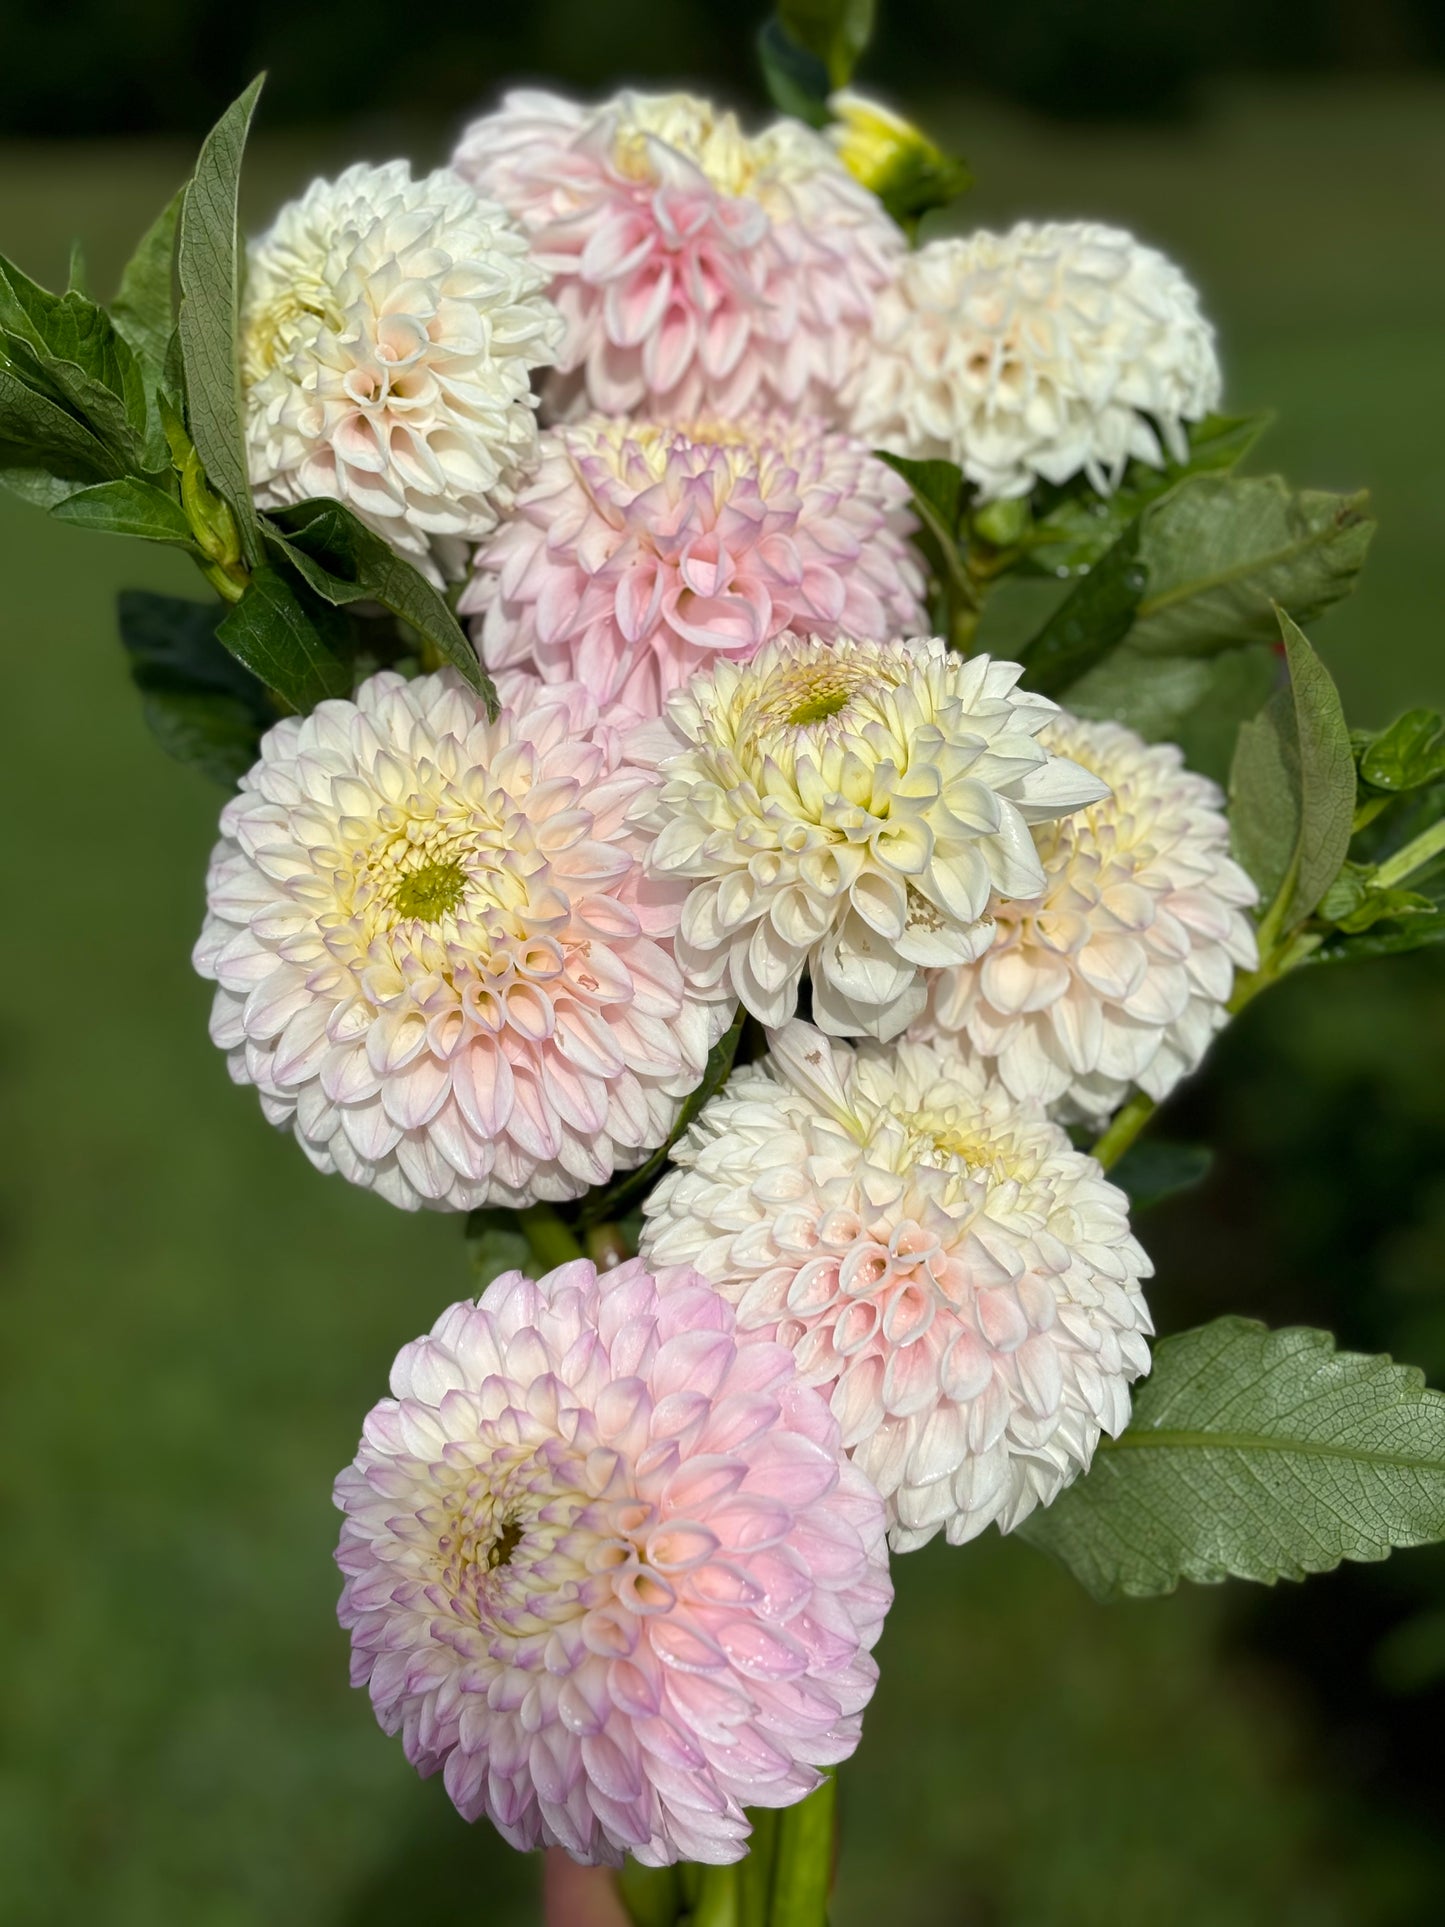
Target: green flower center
(431, 892)
(817, 709)
(504, 1545)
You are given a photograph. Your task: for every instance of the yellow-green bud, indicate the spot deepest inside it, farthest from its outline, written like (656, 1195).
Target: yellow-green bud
(876, 145)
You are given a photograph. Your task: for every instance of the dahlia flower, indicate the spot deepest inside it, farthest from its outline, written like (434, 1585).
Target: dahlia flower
(696, 267)
(959, 1281)
(388, 336)
(642, 552)
(436, 958)
(1118, 971)
(1036, 355)
(848, 807)
(607, 1568)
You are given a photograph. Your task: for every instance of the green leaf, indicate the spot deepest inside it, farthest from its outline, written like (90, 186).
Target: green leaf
(630, 1190)
(1292, 788)
(67, 348)
(38, 486)
(345, 561)
(1074, 525)
(1409, 755)
(280, 634)
(1355, 902)
(128, 507)
(144, 307)
(1221, 550)
(496, 1243)
(1091, 621)
(937, 489)
(835, 32)
(797, 81)
(208, 272)
(1151, 1170)
(1387, 939)
(1254, 1454)
(36, 432)
(204, 708)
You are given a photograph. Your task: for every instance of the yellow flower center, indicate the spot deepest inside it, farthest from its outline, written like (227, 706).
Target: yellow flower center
(802, 693)
(714, 141)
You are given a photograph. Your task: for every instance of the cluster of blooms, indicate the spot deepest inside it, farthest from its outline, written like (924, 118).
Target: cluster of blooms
(615, 1548)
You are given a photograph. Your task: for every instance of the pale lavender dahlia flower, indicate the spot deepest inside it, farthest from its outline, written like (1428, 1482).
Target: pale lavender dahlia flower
(959, 1281)
(607, 1569)
(1119, 971)
(436, 956)
(695, 266)
(644, 551)
(847, 807)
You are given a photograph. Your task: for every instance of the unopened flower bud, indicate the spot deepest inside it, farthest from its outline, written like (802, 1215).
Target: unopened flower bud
(894, 159)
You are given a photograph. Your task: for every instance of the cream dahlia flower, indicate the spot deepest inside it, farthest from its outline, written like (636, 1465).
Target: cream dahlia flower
(960, 1282)
(607, 1568)
(388, 336)
(435, 956)
(696, 267)
(642, 552)
(1035, 355)
(847, 808)
(1118, 971)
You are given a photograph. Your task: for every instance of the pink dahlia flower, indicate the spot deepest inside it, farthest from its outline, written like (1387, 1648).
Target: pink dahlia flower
(607, 1569)
(641, 552)
(694, 266)
(435, 955)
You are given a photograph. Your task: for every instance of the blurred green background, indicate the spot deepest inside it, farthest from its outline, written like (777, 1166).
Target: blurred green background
(194, 1322)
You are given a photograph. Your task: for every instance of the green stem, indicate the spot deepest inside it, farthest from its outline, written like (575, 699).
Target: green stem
(803, 1859)
(551, 1241)
(1125, 1125)
(1367, 811)
(717, 1898)
(1414, 856)
(228, 583)
(755, 1874)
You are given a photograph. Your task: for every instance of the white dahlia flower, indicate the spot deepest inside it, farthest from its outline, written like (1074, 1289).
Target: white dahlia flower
(1038, 354)
(436, 957)
(960, 1281)
(1118, 971)
(696, 267)
(847, 808)
(388, 336)
(643, 551)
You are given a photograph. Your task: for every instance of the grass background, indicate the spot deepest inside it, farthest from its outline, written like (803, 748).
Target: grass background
(192, 1322)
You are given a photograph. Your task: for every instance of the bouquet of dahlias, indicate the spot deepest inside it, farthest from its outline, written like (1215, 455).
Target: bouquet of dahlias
(707, 685)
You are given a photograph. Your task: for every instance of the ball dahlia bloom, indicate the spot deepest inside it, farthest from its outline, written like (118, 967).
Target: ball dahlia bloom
(642, 552)
(1043, 353)
(388, 336)
(696, 267)
(435, 954)
(607, 1569)
(847, 807)
(1119, 970)
(959, 1281)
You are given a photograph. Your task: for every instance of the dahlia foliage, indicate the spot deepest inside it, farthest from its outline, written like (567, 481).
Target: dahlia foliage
(868, 831)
